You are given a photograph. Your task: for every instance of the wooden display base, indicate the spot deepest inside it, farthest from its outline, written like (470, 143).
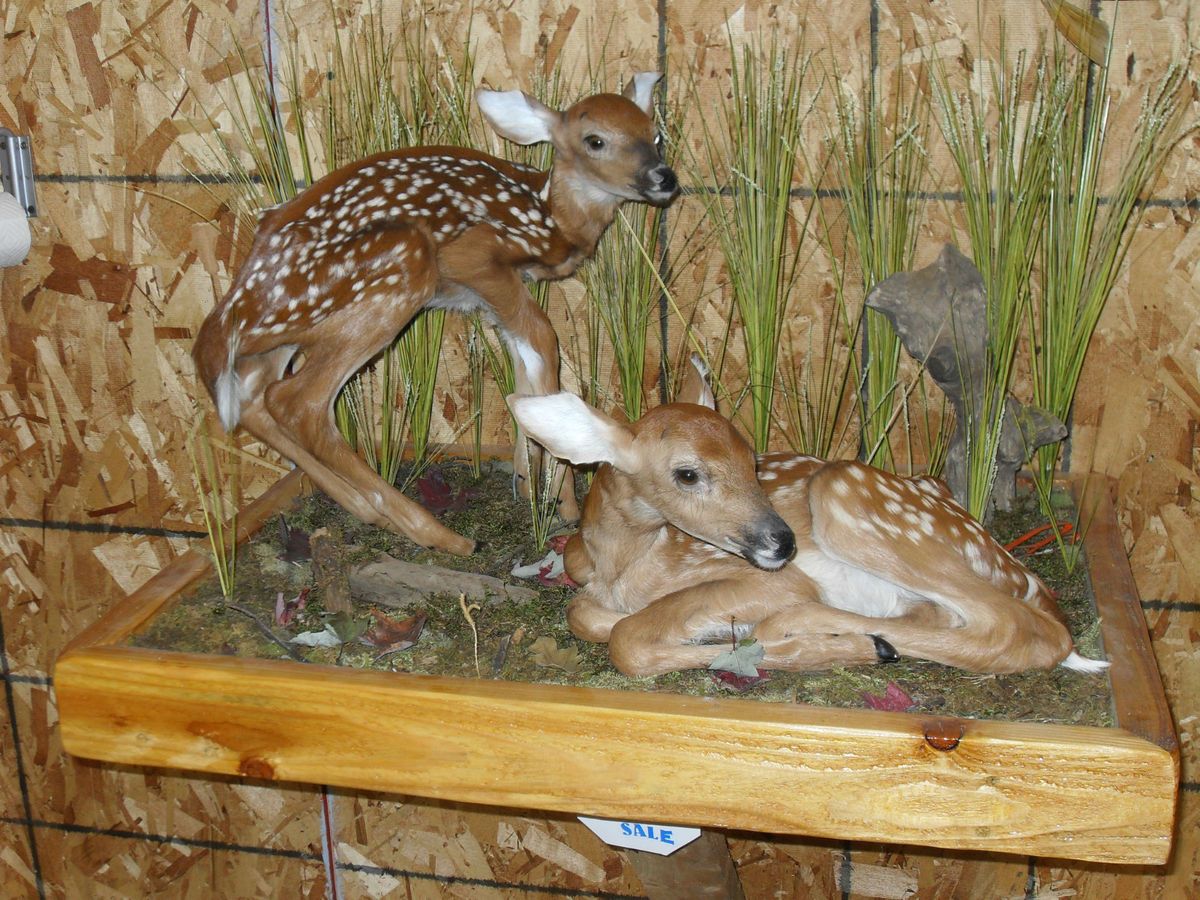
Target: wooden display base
(1104, 794)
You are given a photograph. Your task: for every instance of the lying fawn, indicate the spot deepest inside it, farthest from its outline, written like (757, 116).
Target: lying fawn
(336, 273)
(686, 534)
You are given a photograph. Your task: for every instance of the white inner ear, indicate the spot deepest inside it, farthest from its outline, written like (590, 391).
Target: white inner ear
(641, 90)
(572, 430)
(515, 115)
(706, 398)
(694, 387)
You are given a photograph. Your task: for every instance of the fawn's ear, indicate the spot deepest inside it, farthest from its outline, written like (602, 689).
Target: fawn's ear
(695, 387)
(641, 91)
(516, 116)
(572, 430)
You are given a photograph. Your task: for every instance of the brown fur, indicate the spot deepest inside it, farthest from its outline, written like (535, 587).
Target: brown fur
(658, 587)
(334, 275)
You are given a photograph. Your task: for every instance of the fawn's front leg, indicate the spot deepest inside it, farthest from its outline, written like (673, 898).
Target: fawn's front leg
(533, 347)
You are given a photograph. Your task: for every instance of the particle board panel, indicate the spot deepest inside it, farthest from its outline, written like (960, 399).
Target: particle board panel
(513, 45)
(92, 864)
(16, 863)
(430, 839)
(11, 805)
(785, 867)
(59, 580)
(95, 373)
(102, 85)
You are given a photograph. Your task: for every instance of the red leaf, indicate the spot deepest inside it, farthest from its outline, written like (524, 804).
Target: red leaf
(285, 610)
(390, 635)
(562, 579)
(739, 684)
(438, 496)
(893, 699)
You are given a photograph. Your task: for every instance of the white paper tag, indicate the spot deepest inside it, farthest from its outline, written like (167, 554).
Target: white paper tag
(661, 839)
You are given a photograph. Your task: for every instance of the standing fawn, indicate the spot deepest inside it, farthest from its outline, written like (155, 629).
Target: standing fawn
(336, 273)
(824, 563)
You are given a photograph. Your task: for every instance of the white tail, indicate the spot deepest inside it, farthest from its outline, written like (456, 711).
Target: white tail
(685, 534)
(335, 274)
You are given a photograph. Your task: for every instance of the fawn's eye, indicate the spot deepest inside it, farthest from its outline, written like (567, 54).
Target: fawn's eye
(686, 476)
(594, 142)
(658, 142)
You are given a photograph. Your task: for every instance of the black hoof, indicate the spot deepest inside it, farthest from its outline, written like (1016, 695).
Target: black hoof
(885, 651)
(478, 548)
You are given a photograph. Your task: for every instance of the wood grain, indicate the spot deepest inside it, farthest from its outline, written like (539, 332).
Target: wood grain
(1083, 793)
(1137, 686)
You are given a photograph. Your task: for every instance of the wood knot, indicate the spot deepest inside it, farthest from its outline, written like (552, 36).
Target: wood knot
(944, 734)
(256, 767)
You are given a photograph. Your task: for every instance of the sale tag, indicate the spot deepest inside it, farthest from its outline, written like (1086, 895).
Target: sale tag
(661, 839)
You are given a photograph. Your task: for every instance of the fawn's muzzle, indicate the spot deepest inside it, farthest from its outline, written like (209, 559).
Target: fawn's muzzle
(660, 185)
(770, 545)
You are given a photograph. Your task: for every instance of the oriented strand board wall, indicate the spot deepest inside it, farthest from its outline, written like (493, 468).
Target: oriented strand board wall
(98, 398)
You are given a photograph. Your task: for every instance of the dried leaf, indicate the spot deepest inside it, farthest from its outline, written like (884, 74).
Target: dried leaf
(327, 637)
(392, 635)
(549, 570)
(741, 660)
(893, 700)
(438, 496)
(346, 627)
(546, 652)
(285, 610)
(739, 684)
(296, 547)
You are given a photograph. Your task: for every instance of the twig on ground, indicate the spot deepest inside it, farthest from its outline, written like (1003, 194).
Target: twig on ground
(265, 629)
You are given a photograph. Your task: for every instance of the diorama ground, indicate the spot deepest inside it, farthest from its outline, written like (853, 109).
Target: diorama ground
(277, 609)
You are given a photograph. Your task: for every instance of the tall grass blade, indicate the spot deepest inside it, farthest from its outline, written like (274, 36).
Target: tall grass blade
(1003, 157)
(220, 512)
(879, 163)
(1089, 228)
(750, 146)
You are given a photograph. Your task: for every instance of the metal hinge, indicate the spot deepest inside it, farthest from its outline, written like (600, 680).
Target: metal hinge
(16, 170)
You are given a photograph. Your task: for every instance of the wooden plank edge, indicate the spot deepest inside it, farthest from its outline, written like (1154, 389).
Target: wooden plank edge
(1138, 696)
(132, 613)
(1071, 792)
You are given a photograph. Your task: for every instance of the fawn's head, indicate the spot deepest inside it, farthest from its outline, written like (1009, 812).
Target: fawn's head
(681, 463)
(607, 144)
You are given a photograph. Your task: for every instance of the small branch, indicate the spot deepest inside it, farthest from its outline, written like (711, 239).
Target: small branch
(501, 656)
(266, 630)
(466, 611)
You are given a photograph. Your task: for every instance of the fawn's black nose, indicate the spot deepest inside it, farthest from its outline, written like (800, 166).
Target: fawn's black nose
(664, 178)
(660, 185)
(771, 544)
(785, 542)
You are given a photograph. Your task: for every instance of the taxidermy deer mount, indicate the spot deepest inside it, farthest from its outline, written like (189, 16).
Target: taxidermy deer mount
(336, 273)
(685, 532)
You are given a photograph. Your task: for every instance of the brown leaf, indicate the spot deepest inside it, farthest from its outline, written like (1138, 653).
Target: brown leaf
(546, 652)
(295, 543)
(391, 635)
